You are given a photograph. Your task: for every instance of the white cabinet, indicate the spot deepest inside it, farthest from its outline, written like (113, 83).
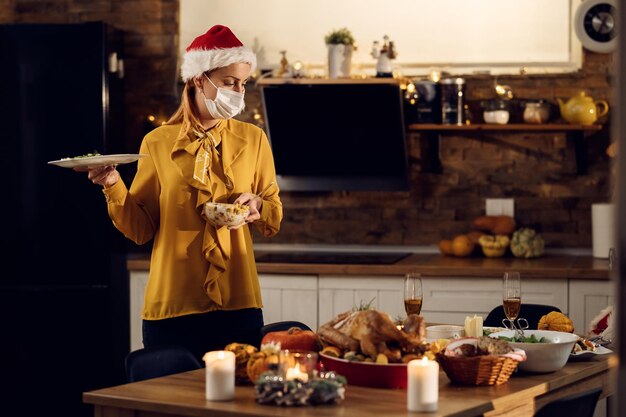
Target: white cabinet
(341, 293)
(138, 282)
(285, 297)
(586, 299)
(446, 300)
(316, 300)
(289, 297)
(450, 300)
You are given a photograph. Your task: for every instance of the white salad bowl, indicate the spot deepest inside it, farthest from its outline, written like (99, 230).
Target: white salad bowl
(543, 357)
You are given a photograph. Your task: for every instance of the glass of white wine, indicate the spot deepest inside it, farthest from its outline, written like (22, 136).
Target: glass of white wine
(512, 295)
(413, 293)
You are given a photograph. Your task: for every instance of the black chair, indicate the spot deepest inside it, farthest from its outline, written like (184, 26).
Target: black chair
(578, 405)
(282, 325)
(531, 312)
(153, 362)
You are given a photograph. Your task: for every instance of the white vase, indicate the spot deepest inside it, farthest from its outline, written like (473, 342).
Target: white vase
(602, 229)
(339, 60)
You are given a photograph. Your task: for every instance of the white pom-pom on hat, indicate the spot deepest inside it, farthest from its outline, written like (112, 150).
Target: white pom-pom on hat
(217, 48)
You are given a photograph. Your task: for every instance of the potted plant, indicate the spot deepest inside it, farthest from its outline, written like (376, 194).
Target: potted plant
(340, 45)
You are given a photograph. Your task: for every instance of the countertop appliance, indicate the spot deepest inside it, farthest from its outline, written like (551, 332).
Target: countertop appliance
(63, 290)
(337, 136)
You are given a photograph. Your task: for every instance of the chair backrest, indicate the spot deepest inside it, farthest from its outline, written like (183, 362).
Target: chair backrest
(153, 362)
(531, 312)
(282, 325)
(578, 405)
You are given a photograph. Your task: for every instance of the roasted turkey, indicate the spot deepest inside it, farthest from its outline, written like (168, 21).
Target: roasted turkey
(373, 332)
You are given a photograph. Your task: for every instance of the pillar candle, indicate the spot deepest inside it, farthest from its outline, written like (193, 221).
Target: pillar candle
(422, 385)
(220, 375)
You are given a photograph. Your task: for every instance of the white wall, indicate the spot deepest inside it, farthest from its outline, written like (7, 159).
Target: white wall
(441, 34)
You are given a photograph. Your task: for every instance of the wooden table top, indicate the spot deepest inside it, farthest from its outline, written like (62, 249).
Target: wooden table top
(184, 395)
(435, 265)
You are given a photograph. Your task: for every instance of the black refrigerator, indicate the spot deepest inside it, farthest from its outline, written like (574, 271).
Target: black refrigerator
(63, 281)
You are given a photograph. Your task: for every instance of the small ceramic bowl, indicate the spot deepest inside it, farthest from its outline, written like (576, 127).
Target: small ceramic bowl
(445, 332)
(500, 117)
(222, 214)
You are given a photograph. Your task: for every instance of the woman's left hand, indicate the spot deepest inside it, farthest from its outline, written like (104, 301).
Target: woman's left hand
(254, 202)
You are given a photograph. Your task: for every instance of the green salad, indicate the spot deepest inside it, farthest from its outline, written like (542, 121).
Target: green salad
(529, 339)
(87, 155)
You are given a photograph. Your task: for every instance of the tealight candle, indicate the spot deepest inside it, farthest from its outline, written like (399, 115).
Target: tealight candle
(296, 373)
(422, 385)
(296, 364)
(220, 375)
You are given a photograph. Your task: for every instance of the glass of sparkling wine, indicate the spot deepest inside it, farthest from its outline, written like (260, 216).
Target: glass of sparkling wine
(413, 293)
(512, 295)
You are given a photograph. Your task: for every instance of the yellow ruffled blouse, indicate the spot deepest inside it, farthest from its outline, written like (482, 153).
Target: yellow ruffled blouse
(195, 267)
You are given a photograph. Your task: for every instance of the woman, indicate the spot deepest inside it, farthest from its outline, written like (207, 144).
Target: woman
(203, 290)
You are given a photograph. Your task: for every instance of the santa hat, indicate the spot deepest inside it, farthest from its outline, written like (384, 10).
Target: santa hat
(217, 48)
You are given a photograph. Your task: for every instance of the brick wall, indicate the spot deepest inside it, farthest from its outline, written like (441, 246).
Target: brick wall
(537, 170)
(150, 47)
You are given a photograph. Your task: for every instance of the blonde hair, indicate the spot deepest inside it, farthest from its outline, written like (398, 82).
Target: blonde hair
(186, 114)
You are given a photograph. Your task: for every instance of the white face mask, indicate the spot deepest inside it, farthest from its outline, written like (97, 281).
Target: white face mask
(227, 103)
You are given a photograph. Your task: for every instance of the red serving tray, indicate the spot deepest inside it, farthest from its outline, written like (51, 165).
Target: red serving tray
(367, 374)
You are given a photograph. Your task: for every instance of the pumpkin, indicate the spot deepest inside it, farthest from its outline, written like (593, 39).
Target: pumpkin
(243, 352)
(494, 246)
(295, 338)
(526, 243)
(496, 225)
(445, 247)
(462, 246)
(556, 321)
(262, 361)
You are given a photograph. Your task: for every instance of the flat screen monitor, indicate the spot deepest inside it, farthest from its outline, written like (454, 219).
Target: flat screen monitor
(329, 137)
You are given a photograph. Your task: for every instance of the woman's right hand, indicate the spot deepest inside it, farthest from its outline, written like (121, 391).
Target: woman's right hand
(106, 176)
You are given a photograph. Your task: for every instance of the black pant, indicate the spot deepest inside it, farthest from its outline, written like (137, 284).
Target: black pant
(201, 333)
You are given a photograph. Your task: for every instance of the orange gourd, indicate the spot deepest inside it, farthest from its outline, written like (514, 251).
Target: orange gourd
(243, 352)
(556, 321)
(261, 362)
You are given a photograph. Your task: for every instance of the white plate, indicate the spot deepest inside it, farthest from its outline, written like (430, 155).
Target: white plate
(587, 354)
(97, 161)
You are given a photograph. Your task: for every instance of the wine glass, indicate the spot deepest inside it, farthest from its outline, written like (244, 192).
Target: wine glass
(512, 296)
(413, 293)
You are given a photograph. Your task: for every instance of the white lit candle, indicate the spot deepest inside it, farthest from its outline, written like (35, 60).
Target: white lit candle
(220, 375)
(422, 385)
(296, 373)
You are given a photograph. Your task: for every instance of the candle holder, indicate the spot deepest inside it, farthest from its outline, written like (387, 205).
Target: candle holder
(298, 365)
(327, 388)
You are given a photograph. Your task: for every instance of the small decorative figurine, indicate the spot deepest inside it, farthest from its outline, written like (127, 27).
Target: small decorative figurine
(384, 55)
(284, 70)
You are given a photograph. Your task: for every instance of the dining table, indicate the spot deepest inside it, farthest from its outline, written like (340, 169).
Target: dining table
(183, 394)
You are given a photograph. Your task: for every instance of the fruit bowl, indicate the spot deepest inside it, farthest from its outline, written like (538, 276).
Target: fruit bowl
(222, 214)
(543, 357)
(367, 374)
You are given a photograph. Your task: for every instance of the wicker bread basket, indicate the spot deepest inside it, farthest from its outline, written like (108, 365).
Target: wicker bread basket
(478, 370)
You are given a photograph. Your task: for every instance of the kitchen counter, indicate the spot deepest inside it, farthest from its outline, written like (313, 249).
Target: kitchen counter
(566, 264)
(299, 282)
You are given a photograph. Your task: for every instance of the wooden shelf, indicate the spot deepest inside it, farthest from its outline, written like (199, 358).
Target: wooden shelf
(431, 134)
(517, 127)
(283, 81)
